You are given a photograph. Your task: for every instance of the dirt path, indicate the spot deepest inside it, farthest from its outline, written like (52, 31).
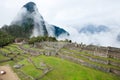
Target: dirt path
(10, 75)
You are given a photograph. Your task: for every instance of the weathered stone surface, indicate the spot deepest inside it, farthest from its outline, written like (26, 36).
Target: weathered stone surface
(101, 55)
(96, 57)
(115, 63)
(96, 60)
(115, 71)
(18, 66)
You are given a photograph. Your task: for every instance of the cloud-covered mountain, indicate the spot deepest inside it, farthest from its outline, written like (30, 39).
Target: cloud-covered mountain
(118, 37)
(30, 18)
(96, 34)
(93, 29)
(30, 23)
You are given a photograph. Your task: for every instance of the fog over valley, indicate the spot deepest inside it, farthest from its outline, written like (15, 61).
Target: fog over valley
(88, 21)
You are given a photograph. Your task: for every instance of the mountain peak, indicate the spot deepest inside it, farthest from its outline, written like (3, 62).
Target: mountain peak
(32, 23)
(30, 6)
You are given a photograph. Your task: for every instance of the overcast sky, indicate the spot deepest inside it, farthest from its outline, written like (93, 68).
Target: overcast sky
(72, 15)
(66, 12)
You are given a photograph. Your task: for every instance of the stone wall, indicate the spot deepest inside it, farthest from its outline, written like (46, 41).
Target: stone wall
(82, 62)
(107, 56)
(114, 53)
(97, 57)
(100, 51)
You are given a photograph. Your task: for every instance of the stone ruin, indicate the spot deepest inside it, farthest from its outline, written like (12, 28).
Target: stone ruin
(54, 49)
(102, 55)
(100, 51)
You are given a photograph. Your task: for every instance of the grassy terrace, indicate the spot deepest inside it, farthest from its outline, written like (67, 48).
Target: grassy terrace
(5, 50)
(65, 70)
(2, 57)
(32, 48)
(62, 69)
(91, 55)
(29, 69)
(12, 51)
(79, 56)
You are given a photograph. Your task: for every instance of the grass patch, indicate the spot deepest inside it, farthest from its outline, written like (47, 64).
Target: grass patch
(32, 48)
(5, 50)
(78, 55)
(29, 69)
(62, 69)
(2, 57)
(65, 70)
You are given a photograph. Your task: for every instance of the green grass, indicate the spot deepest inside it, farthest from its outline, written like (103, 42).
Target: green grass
(29, 69)
(13, 48)
(62, 69)
(2, 57)
(5, 50)
(91, 55)
(65, 70)
(32, 48)
(77, 54)
(26, 46)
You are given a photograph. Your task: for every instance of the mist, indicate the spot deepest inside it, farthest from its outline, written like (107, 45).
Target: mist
(71, 15)
(107, 38)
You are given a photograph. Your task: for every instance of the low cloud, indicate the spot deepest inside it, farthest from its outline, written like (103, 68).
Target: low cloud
(108, 38)
(72, 15)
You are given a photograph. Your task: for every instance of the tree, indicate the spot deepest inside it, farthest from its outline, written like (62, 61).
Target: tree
(5, 38)
(40, 39)
(19, 31)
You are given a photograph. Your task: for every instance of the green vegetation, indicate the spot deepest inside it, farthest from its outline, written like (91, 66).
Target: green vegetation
(2, 57)
(65, 70)
(85, 56)
(27, 46)
(29, 69)
(61, 69)
(41, 38)
(11, 52)
(5, 38)
(19, 31)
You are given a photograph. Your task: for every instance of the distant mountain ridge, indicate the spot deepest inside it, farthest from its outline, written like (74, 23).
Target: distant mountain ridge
(93, 29)
(31, 20)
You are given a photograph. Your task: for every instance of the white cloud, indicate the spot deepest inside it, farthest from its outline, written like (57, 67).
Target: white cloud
(71, 15)
(103, 38)
(62, 12)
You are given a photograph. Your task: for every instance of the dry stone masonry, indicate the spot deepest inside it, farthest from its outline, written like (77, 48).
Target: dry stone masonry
(106, 59)
(102, 58)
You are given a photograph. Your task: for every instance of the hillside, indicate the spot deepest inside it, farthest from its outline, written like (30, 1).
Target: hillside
(30, 23)
(56, 61)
